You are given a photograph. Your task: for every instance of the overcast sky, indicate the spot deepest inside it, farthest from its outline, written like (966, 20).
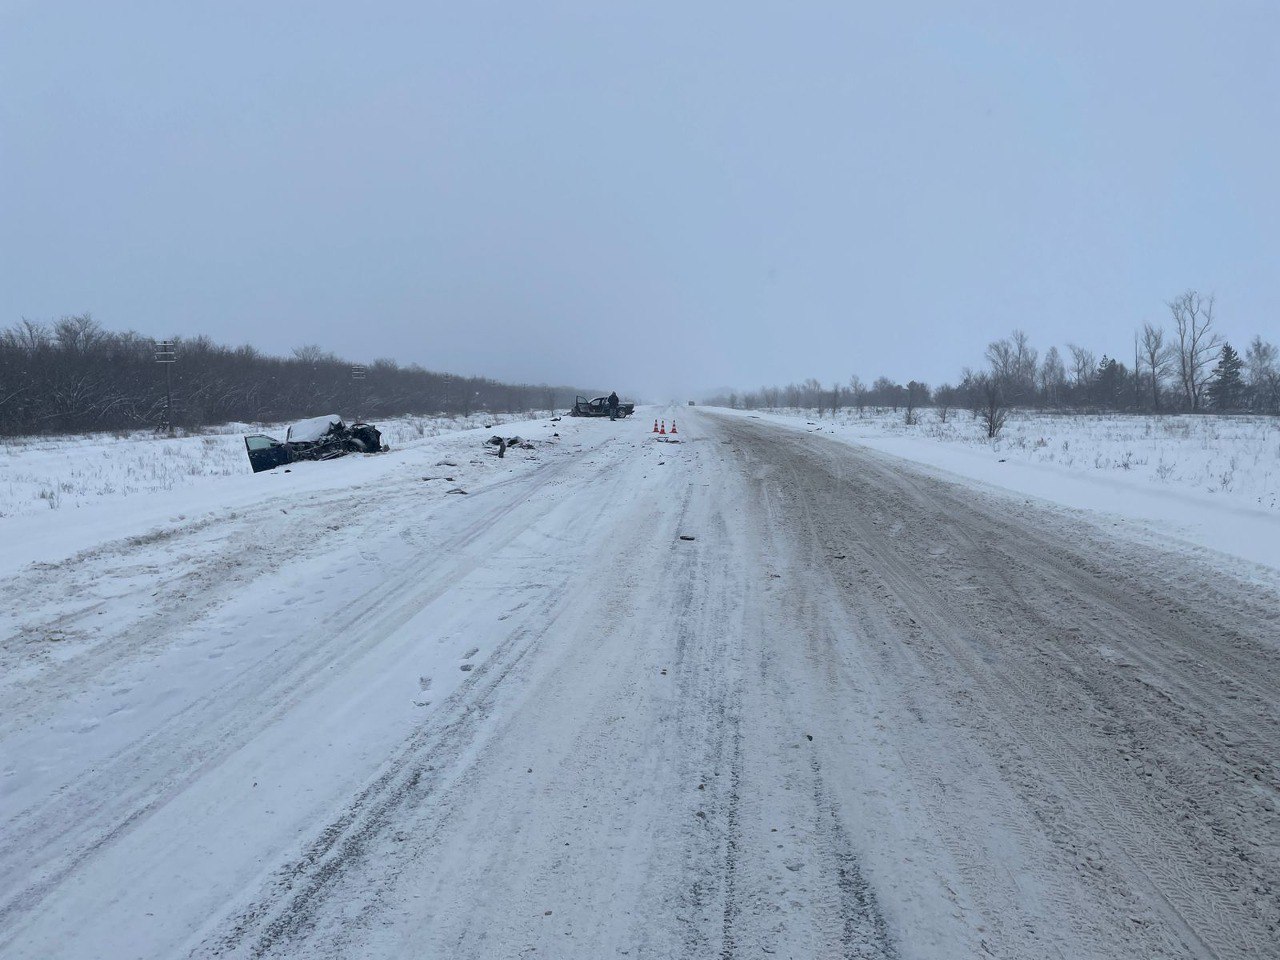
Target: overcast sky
(665, 197)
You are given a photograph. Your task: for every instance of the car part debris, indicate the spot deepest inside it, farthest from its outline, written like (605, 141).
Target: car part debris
(318, 438)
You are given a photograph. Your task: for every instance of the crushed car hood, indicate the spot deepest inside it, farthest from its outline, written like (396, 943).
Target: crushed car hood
(309, 431)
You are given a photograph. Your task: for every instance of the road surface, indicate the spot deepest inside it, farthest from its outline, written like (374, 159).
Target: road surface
(755, 694)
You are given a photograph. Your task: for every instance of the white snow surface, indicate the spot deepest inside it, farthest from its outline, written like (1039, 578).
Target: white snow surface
(433, 703)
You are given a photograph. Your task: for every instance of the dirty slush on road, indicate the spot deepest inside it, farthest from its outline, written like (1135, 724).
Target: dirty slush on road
(1091, 727)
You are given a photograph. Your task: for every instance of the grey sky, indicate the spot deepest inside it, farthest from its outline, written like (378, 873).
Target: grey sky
(663, 196)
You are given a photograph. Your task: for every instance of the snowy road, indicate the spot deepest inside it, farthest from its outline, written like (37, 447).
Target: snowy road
(863, 713)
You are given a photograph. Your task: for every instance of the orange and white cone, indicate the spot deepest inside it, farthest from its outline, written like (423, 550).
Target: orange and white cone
(663, 431)
(673, 426)
(655, 426)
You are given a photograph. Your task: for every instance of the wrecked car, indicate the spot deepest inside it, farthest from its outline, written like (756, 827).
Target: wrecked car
(318, 438)
(599, 407)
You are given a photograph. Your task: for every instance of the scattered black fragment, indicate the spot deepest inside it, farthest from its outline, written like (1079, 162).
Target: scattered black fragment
(685, 536)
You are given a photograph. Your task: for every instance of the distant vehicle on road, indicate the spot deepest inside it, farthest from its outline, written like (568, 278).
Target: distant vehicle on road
(599, 407)
(319, 438)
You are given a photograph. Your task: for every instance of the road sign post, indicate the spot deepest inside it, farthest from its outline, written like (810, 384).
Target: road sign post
(358, 374)
(166, 355)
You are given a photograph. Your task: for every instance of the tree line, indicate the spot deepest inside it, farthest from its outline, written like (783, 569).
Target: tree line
(72, 376)
(1185, 367)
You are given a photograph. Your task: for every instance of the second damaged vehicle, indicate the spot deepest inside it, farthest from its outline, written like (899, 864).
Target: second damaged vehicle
(319, 438)
(599, 407)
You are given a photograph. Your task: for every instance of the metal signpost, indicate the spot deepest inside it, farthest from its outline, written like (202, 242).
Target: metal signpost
(165, 354)
(358, 373)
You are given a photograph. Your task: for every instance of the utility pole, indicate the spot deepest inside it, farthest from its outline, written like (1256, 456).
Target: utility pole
(165, 355)
(358, 373)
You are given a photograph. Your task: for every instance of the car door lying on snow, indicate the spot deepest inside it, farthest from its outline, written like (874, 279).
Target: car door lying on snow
(265, 452)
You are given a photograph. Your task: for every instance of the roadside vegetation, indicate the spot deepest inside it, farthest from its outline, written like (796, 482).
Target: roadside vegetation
(1186, 367)
(72, 376)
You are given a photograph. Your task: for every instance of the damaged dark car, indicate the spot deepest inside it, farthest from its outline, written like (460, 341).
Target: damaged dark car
(319, 438)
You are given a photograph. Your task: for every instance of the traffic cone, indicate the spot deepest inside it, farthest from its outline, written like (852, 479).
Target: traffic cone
(655, 426)
(673, 426)
(663, 431)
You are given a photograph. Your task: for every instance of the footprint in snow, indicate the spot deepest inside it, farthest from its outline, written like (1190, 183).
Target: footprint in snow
(470, 653)
(424, 683)
(466, 667)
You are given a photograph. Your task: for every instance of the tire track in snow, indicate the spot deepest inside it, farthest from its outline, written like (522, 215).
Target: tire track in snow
(1023, 676)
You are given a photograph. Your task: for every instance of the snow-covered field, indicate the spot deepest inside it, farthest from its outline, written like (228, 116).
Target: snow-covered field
(762, 692)
(67, 472)
(1213, 481)
(1235, 458)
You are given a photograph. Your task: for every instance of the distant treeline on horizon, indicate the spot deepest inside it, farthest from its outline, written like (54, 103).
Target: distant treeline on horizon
(72, 376)
(1186, 368)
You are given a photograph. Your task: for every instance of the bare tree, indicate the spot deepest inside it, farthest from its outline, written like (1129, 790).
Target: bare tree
(1000, 357)
(1157, 357)
(858, 393)
(1084, 364)
(1197, 345)
(916, 395)
(944, 398)
(1262, 360)
(993, 413)
(1013, 365)
(814, 395)
(313, 353)
(968, 391)
(1053, 377)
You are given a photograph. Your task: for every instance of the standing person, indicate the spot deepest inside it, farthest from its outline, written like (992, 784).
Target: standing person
(613, 405)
